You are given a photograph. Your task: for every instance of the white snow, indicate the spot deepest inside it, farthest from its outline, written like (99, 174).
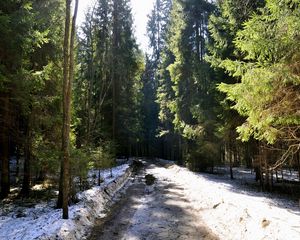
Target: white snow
(247, 174)
(44, 222)
(230, 211)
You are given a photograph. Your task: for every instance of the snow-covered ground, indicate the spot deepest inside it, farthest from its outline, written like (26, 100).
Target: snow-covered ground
(180, 205)
(43, 221)
(230, 211)
(248, 175)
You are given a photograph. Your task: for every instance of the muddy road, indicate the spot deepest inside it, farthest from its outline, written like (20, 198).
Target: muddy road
(151, 212)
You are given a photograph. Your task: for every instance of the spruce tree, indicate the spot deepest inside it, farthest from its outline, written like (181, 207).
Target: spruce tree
(265, 96)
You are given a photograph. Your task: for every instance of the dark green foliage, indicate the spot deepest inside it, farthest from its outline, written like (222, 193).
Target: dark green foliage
(158, 83)
(224, 23)
(266, 94)
(30, 72)
(108, 87)
(149, 110)
(187, 92)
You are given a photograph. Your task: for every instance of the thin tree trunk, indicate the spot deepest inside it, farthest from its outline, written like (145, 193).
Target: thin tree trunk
(99, 177)
(272, 181)
(67, 87)
(114, 108)
(91, 80)
(223, 154)
(27, 161)
(198, 44)
(230, 166)
(65, 130)
(60, 189)
(68, 115)
(17, 164)
(267, 178)
(65, 134)
(89, 113)
(261, 175)
(158, 9)
(179, 157)
(4, 147)
(114, 65)
(235, 155)
(247, 155)
(230, 163)
(298, 161)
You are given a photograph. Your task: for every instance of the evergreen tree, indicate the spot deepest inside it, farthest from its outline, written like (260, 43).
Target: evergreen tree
(158, 30)
(193, 102)
(28, 75)
(266, 94)
(108, 87)
(225, 22)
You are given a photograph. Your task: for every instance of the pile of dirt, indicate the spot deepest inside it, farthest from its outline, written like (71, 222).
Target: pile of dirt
(150, 179)
(136, 165)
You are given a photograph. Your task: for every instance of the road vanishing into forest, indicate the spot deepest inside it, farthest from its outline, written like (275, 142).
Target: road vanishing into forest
(151, 212)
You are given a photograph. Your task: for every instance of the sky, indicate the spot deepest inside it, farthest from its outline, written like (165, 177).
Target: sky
(140, 10)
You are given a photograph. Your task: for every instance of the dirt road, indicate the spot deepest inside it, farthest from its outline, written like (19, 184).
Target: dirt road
(152, 212)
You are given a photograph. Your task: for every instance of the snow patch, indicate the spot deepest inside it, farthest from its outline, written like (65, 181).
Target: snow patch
(230, 210)
(44, 222)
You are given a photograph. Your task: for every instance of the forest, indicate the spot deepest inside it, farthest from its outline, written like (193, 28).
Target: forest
(219, 86)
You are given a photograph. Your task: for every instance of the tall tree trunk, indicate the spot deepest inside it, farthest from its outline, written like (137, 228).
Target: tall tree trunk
(60, 190)
(198, 42)
(179, 158)
(27, 161)
(4, 146)
(247, 155)
(235, 154)
(114, 107)
(271, 181)
(114, 49)
(298, 162)
(158, 27)
(223, 152)
(65, 127)
(230, 162)
(67, 90)
(63, 194)
(17, 164)
(116, 66)
(90, 80)
(89, 101)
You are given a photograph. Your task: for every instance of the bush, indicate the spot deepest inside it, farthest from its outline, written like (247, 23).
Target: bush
(202, 156)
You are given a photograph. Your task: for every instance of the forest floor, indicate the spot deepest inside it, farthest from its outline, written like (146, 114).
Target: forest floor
(28, 219)
(186, 205)
(178, 204)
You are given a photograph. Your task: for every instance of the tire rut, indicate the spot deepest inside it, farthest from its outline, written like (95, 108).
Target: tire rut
(157, 212)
